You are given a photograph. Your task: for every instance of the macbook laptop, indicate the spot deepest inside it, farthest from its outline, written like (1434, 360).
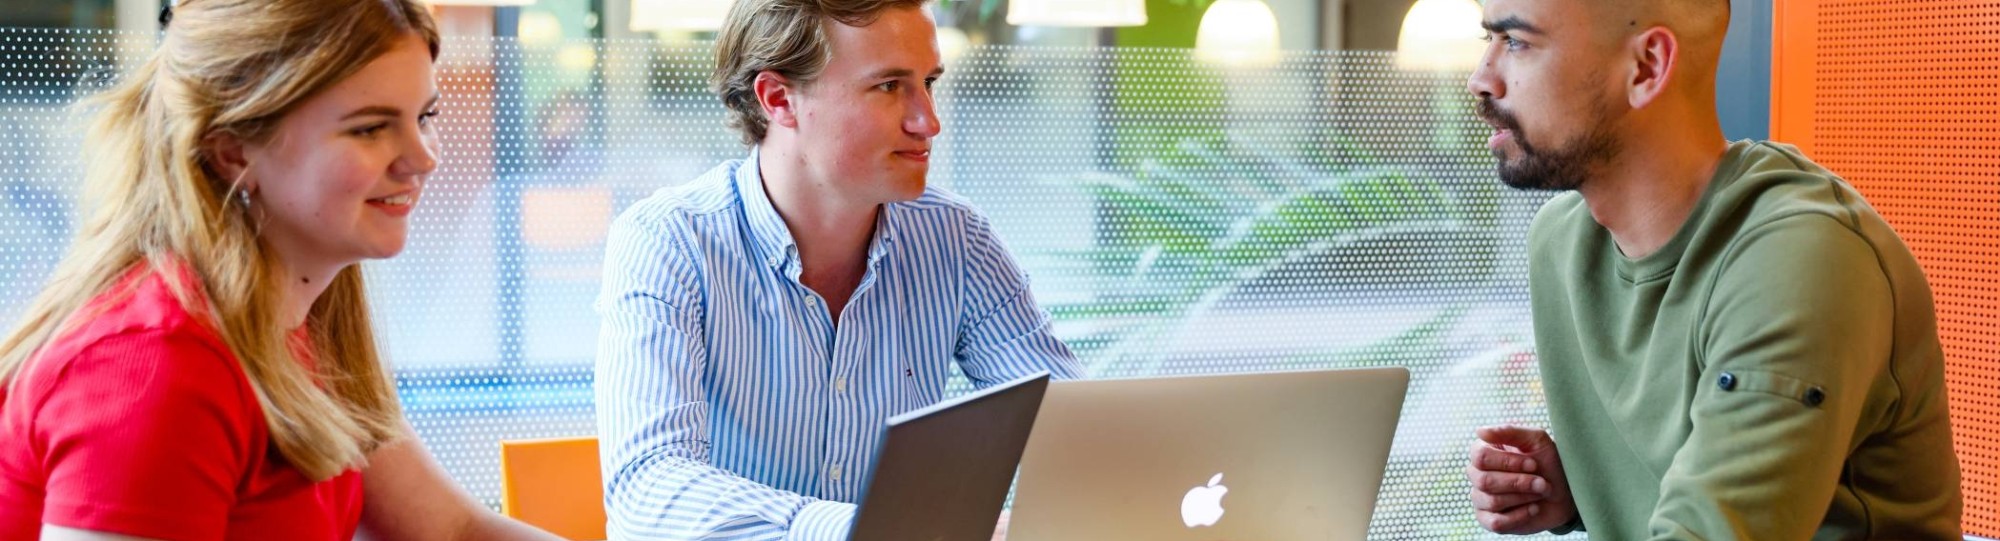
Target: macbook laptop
(942, 472)
(1278, 456)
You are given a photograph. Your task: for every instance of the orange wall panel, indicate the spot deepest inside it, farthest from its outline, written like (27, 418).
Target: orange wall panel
(1902, 98)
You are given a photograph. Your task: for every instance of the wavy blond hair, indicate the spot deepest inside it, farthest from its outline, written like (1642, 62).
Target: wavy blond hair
(231, 67)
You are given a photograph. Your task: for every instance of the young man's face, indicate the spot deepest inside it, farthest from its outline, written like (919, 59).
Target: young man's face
(1548, 86)
(866, 123)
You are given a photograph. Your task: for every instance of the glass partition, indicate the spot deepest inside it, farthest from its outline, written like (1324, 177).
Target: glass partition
(1177, 217)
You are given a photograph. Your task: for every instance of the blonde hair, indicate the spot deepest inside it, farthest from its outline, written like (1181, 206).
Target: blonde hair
(787, 37)
(231, 67)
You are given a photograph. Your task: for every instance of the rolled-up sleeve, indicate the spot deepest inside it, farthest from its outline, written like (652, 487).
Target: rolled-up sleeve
(1006, 334)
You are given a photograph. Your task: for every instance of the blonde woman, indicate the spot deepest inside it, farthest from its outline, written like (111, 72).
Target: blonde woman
(201, 365)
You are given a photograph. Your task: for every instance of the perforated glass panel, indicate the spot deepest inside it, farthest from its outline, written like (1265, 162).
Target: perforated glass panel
(1177, 218)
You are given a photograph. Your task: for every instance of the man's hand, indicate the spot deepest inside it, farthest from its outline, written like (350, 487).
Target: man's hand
(1518, 486)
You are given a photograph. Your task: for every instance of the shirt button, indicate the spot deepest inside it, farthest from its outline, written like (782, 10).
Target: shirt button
(840, 385)
(833, 471)
(1727, 382)
(1815, 396)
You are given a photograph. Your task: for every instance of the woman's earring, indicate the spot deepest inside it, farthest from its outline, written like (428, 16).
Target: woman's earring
(256, 225)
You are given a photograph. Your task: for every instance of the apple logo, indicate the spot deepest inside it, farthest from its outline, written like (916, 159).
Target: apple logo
(1203, 505)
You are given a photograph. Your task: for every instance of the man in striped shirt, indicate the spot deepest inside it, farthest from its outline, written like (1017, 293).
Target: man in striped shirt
(762, 322)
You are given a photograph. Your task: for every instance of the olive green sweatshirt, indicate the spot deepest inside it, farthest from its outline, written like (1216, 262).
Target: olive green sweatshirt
(1773, 372)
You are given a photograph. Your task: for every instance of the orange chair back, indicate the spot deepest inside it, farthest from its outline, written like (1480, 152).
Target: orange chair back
(554, 484)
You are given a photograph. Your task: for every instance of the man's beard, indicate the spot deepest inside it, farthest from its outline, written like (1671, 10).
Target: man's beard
(1562, 168)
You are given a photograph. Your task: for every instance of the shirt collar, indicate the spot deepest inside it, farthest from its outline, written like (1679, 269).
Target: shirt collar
(773, 240)
(774, 243)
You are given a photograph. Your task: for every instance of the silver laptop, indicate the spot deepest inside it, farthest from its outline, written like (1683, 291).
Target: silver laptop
(942, 472)
(1292, 455)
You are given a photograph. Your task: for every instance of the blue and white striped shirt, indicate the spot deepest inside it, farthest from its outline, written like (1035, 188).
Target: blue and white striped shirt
(728, 404)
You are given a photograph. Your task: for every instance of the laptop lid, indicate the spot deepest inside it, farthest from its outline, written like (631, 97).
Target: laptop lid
(942, 472)
(1293, 455)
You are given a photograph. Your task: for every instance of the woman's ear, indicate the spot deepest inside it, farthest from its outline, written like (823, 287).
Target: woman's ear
(223, 154)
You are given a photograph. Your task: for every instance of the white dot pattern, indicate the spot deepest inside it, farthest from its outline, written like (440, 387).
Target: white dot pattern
(1330, 211)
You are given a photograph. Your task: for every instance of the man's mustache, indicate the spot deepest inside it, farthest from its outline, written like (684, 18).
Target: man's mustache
(1494, 115)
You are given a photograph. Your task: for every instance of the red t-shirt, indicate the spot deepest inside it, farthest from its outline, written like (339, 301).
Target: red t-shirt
(141, 422)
